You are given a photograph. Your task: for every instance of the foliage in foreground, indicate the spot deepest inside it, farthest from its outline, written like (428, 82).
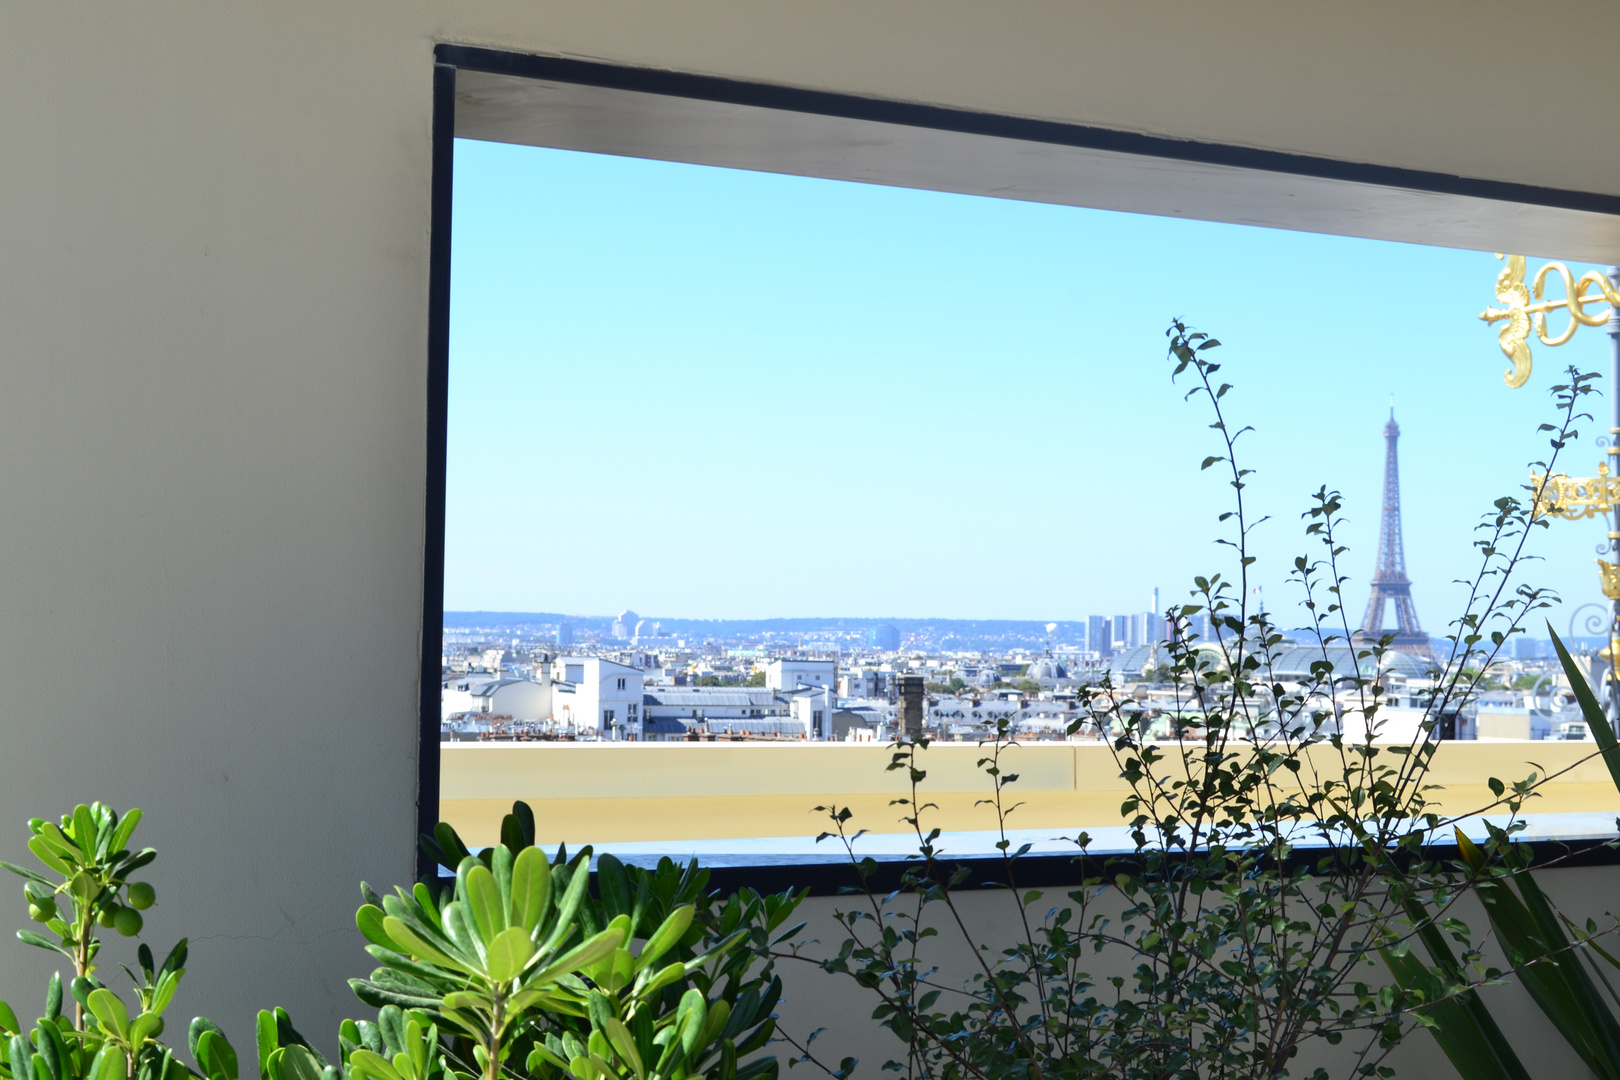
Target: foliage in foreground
(1281, 845)
(1281, 864)
(1562, 964)
(514, 970)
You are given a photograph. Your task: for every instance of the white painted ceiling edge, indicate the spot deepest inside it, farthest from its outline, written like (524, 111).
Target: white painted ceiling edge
(570, 116)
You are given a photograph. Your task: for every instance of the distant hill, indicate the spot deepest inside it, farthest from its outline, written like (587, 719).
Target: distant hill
(971, 633)
(677, 625)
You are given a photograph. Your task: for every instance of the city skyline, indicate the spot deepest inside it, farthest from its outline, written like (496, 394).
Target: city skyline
(970, 395)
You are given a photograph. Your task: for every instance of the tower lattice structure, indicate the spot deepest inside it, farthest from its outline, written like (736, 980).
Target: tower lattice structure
(1390, 583)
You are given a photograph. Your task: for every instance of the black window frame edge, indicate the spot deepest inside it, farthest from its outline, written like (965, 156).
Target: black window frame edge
(438, 404)
(1073, 871)
(820, 877)
(1053, 871)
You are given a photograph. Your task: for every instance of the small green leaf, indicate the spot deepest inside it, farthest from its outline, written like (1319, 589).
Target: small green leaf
(51, 1050)
(509, 953)
(48, 855)
(110, 1012)
(40, 941)
(163, 993)
(264, 1032)
(126, 828)
(146, 1026)
(666, 936)
(22, 1061)
(299, 1064)
(370, 921)
(484, 903)
(364, 1065)
(531, 884)
(109, 1064)
(216, 1056)
(415, 946)
(582, 955)
(84, 831)
(625, 1046)
(690, 1019)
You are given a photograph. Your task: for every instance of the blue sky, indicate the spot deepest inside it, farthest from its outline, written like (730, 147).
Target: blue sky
(709, 393)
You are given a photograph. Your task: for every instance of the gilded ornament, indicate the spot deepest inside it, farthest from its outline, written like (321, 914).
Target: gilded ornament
(1575, 497)
(1525, 309)
(1610, 576)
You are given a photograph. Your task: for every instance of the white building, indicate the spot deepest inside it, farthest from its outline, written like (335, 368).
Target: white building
(593, 694)
(789, 674)
(813, 707)
(703, 703)
(521, 699)
(863, 683)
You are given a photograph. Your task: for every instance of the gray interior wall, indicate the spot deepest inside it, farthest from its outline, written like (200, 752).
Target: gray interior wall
(213, 275)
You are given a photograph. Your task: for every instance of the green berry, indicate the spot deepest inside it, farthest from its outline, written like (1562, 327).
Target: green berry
(41, 914)
(128, 921)
(142, 896)
(107, 914)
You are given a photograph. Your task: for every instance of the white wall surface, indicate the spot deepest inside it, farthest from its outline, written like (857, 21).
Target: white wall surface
(213, 283)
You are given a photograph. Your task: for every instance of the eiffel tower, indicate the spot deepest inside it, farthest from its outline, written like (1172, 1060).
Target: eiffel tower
(1390, 582)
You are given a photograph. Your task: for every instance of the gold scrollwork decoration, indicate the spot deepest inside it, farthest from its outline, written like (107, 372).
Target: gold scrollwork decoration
(1575, 497)
(1525, 309)
(1609, 574)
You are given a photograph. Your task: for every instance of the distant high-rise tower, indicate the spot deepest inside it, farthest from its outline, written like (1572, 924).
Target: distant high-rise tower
(883, 637)
(1390, 582)
(1099, 635)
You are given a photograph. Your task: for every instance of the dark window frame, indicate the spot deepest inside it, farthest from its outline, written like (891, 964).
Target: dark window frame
(825, 878)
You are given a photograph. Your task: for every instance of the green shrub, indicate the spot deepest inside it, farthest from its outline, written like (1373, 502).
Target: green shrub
(512, 969)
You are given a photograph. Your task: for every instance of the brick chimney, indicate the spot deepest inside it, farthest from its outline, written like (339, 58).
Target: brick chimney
(911, 706)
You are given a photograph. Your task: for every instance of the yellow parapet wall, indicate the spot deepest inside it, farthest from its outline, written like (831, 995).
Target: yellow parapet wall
(605, 792)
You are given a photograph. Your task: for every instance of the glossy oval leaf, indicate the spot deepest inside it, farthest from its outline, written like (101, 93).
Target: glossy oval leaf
(625, 1046)
(667, 936)
(415, 946)
(391, 1026)
(509, 954)
(84, 831)
(46, 854)
(531, 885)
(667, 975)
(582, 955)
(690, 1018)
(20, 1057)
(216, 1057)
(364, 1065)
(126, 829)
(50, 1050)
(110, 1011)
(163, 993)
(370, 921)
(298, 1063)
(264, 1035)
(462, 931)
(484, 903)
(146, 1026)
(109, 1064)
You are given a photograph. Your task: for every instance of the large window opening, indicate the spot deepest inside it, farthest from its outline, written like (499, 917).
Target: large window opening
(742, 466)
